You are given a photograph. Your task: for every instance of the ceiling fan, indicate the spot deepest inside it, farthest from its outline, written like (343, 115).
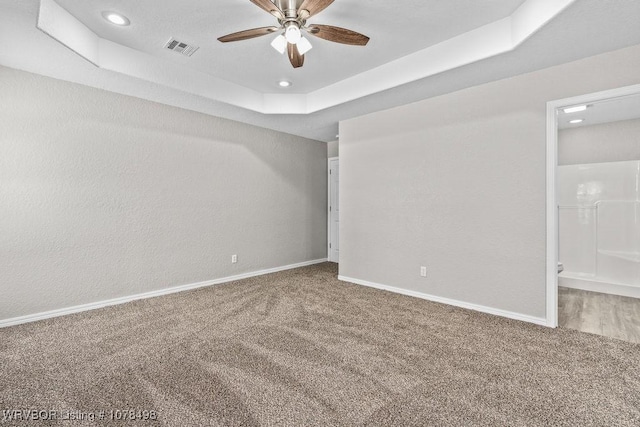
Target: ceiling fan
(292, 16)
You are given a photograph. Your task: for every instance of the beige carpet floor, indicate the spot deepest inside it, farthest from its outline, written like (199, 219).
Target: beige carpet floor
(300, 348)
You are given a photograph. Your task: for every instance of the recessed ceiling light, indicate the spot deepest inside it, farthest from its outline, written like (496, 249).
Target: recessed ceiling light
(284, 83)
(575, 109)
(576, 121)
(116, 18)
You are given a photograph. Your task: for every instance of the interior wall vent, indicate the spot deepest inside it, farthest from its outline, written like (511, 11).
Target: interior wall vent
(181, 47)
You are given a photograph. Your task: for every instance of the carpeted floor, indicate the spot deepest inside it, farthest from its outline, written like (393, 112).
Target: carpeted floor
(300, 348)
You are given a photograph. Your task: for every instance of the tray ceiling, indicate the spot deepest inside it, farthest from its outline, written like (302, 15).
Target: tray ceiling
(419, 49)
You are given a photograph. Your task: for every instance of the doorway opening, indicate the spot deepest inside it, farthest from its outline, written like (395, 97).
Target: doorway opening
(333, 214)
(593, 213)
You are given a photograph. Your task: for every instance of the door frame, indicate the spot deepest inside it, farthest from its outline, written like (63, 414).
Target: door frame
(552, 204)
(329, 160)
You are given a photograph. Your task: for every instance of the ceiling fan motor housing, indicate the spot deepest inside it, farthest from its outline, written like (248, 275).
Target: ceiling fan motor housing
(288, 7)
(290, 10)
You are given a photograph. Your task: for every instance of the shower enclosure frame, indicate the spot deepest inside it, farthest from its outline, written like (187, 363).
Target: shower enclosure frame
(551, 204)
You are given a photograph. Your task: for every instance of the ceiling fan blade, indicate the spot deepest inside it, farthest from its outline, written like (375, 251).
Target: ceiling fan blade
(313, 7)
(248, 34)
(296, 59)
(268, 6)
(338, 35)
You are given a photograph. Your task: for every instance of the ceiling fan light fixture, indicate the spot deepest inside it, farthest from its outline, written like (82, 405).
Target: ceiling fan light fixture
(279, 44)
(292, 33)
(292, 18)
(304, 46)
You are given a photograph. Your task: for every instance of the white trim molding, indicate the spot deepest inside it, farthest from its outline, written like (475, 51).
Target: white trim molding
(116, 301)
(462, 304)
(552, 217)
(551, 203)
(588, 284)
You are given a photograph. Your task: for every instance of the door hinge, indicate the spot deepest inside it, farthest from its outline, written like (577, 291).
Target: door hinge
(329, 245)
(330, 208)
(330, 171)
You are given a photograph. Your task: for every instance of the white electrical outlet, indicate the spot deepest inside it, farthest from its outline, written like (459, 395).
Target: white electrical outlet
(234, 259)
(423, 271)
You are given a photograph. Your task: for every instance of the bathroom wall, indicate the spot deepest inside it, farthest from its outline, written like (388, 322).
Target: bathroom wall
(599, 231)
(608, 142)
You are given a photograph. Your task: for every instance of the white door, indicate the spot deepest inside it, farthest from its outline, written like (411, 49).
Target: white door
(334, 211)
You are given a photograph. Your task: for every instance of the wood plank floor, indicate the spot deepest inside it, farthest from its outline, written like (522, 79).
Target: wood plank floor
(602, 314)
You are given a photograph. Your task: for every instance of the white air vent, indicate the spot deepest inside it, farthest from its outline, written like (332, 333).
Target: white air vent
(181, 47)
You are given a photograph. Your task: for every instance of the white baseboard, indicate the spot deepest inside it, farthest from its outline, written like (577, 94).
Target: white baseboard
(598, 286)
(489, 310)
(94, 305)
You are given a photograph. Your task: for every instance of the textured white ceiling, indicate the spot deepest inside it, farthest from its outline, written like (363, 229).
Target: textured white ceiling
(396, 29)
(586, 28)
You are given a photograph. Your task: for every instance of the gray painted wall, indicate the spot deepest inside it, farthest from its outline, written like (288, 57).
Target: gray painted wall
(104, 196)
(608, 142)
(333, 149)
(457, 183)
